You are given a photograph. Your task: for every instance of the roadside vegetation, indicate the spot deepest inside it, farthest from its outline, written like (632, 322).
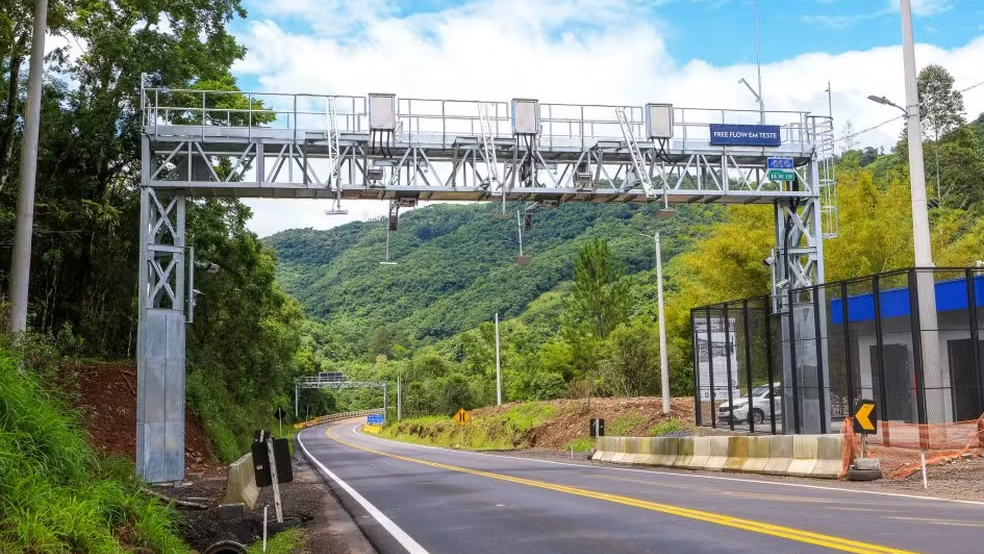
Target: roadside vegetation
(56, 495)
(507, 430)
(554, 425)
(288, 541)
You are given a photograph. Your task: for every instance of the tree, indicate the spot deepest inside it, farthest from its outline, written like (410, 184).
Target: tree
(599, 299)
(868, 155)
(942, 110)
(631, 359)
(940, 107)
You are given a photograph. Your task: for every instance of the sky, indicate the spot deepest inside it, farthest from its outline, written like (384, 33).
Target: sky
(687, 52)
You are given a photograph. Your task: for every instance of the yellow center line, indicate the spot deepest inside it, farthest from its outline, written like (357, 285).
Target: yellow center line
(818, 539)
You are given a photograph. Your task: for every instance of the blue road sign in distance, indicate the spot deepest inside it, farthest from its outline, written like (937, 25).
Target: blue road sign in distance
(374, 419)
(745, 135)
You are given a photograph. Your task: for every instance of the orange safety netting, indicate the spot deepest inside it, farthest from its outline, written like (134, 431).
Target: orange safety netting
(898, 445)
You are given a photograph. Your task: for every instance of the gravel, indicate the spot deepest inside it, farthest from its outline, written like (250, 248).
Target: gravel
(330, 529)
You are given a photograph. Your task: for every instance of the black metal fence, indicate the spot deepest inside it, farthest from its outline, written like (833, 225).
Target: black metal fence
(800, 362)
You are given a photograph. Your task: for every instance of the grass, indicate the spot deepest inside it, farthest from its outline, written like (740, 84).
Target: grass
(667, 427)
(288, 541)
(623, 425)
(55, 495)
(509, 430)
(581, 444)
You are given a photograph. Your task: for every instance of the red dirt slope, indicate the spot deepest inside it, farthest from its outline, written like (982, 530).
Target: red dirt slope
(108, 402)
(571, 420)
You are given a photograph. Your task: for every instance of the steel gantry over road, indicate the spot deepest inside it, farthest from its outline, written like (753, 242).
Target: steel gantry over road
(405, 150)
(321, 382)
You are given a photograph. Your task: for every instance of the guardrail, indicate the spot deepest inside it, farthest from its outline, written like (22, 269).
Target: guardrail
(334, 417)
(440, 119)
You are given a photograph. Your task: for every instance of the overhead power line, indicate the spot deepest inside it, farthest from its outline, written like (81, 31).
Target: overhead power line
(896, 118)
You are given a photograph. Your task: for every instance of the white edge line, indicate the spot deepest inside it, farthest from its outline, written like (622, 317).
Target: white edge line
(399, 534)
(674, 474)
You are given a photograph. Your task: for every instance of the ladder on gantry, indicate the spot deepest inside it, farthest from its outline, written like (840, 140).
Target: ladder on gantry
(638, 161)
(823, 129)
(488, 145)
(334, 156)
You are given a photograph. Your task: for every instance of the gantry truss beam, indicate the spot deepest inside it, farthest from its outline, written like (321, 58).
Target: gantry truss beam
(315, 384)
(322, 147)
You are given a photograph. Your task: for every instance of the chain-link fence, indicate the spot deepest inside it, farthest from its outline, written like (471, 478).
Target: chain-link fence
(800, 362)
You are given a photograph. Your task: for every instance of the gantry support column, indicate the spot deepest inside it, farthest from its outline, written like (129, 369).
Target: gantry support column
(161, 339)
(802, 311)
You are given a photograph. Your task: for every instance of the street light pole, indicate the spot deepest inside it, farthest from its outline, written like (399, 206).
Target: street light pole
(20, 270)
(664, 369)
(498, 365)
(917, 171)
(664, 364)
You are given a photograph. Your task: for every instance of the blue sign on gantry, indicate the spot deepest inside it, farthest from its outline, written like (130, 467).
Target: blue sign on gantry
(745, 135)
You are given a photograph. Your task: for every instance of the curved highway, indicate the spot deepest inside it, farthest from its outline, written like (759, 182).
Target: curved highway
(419, 500)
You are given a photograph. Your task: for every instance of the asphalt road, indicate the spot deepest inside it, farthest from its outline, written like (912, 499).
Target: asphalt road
(417, 499)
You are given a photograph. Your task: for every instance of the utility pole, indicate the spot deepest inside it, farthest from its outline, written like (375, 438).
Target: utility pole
(498, 365)
(20, 271)
(917, 170)
(399, 399)
(931, 376)
(664, 369)
(664, 364)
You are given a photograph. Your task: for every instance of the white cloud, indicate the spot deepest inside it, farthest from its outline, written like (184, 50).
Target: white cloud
(925, 7)
(579, 51)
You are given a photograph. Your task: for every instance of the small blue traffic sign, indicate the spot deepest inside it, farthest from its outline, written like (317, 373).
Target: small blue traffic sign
(374, 419)
(781, 163)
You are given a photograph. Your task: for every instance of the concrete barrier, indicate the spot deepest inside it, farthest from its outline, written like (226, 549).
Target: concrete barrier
(685, 453)
(830, 457)
(702, 452)
(241, 483)
(737, 454)
(717, 455)
(780, 455)
(665, 450)
(818, 456)
(758, 455)
(804, 456)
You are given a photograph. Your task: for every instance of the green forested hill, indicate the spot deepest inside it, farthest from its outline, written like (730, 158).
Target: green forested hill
(457, 262)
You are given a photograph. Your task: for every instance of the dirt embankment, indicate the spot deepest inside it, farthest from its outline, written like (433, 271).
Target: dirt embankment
(552, 425)
(108, 402)
(571, 419)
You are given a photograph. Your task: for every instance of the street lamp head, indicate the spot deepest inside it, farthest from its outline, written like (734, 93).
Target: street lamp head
(880, 99)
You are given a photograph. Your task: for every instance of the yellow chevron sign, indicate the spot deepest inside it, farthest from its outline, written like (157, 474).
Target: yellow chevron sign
(865, 418)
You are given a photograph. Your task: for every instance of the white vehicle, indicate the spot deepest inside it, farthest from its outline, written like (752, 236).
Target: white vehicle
(761, 406)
